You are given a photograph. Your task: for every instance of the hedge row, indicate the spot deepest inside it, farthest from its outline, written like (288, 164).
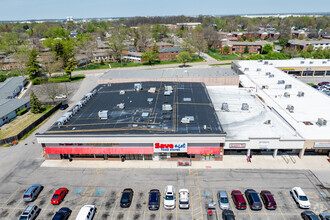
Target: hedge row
(59, 79)
(22, 112)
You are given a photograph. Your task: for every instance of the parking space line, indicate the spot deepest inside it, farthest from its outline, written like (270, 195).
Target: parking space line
(130, 207)
(101, 204)
(290, 199)
(176, 208)
(214, 199)
(114, 208)
(15, 207)
(161, 207)
(66, 197)
(280, 211)
(11, 196)
(145, 207)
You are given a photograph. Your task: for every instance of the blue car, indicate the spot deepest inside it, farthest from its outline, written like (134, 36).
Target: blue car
(32, 193)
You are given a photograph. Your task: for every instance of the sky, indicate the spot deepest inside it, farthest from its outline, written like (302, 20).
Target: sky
(53, 9)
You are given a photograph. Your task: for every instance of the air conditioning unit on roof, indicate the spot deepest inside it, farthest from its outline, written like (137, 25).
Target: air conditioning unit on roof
(290, 108)
(281, 82)
(287, 95)
(300, 94)
(288, 86)
(321, 122)
(225, 106)
(245, 106)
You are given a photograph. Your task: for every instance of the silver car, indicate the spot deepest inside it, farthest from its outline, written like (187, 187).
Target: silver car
(32, 193)
(223, 199)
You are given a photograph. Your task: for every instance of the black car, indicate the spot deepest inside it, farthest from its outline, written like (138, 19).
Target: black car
(64, 106)
(62, 214)
(126, 198)
(154, 199)
(309, 215)
(253, 199)
(228, 215)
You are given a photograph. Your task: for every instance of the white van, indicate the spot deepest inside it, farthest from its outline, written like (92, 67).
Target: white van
(169, 197)
(184, 199)
(87, 212)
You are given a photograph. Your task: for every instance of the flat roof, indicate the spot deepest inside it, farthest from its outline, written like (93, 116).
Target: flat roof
(169, 73)
(143, 116)
(245, 124)
(307, 109)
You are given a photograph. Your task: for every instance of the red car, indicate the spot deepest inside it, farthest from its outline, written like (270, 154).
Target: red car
(59, 196)
(238, 199)
(268, 199)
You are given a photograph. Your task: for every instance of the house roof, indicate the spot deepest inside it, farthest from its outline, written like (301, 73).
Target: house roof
(161, 44)
(308, 42)
(8, 87)
(9, 105)
(170, 50)
(243, 43)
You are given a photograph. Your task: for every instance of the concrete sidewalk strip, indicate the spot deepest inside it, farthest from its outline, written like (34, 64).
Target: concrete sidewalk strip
(229, 162)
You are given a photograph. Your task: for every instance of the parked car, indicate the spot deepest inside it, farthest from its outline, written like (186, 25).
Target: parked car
(253, 199)
(309, 215)
(238, 199)
(64, 106)
(315, 86)
(62, 214)
(228, 215)
(32, 193)
(61, 96)
(300, 198)
(223, 199)
(30, 212)
(323, 83)
(268, 200)
(154, 199)
(169, 197)
(59, 196)
(184, 199)
(325, 216)
(126, 198)
(86, 212)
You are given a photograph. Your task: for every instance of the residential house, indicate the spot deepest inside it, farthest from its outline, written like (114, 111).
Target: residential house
(303, 44)
(160, 45)
(239, 46)
(169, 53)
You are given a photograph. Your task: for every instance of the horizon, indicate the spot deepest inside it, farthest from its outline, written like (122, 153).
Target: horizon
(20, 10)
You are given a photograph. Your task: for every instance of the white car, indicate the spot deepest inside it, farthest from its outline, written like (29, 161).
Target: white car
(184, 199)
(300, 197)
(87, 212)
(169, 197)
(62, 96)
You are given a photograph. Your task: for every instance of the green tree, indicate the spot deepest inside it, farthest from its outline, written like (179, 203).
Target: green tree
(71, 65)
(310, 48)
(33, 67)
(267, 49)
(184, 57)
(246, 49)
(283, 42)
(35, 104)
(226, 49)
(150, 56)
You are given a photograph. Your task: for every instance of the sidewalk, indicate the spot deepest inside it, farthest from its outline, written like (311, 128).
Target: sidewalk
(229, 162)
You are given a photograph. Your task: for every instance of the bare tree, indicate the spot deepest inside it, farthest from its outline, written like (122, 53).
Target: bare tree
(86, 46)
(142, 37)
(51, 63)
(211, 36)
(21, 57)
(52, 90)
(116, 43)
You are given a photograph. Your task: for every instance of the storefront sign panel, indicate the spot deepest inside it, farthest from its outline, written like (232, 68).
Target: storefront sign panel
(237, 145)
(322, 144)
(170, 147)
(263, 144)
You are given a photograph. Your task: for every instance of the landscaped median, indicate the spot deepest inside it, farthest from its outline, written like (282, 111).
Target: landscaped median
(21, 127)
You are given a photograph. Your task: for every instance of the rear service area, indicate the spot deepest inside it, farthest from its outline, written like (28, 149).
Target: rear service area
(103, 188)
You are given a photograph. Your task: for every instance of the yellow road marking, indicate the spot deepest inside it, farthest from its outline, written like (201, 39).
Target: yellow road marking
(214, 199)
(290, 199)
(129, 209)
(11, 196)
(15, 207)
(101, 204)
(114, 208)
(145, 208)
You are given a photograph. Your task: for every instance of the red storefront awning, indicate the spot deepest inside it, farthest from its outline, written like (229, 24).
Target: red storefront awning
(203, 150)
(99, 150)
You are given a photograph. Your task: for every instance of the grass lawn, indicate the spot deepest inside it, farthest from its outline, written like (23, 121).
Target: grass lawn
(94, 66)
(18, 125)
(216, 55)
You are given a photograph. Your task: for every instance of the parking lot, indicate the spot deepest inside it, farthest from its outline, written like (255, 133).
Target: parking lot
(102, 188)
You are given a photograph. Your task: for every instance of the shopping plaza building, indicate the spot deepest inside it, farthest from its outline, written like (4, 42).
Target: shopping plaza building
(197, 114)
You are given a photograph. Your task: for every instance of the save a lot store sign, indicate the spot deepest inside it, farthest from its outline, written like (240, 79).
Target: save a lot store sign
(170, 147)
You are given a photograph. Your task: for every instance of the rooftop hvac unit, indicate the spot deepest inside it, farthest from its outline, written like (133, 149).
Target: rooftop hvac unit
(264, 87)
(258, 69)
(266, 63)
(302, 62)
(187, 99)
(150, 100)
(245, 106)
(246, 69)
(281, 82)
(311, 62)
(290, 108)
(288, 86)
(121, 105)
(268, 122)
(271, 75)
(166, 107)
(324, 62)
(225, 106)
(259, 61)
(169, 88)
(152, 90)
(301, 94)
(138, 86)
(267, 73)
(104, 114)
(94, 92)
(122, 92)
(321, 122)
(145, 114)
(287, 95)
(185, 120)
(167, 93)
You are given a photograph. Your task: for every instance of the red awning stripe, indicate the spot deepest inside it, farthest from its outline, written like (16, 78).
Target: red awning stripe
(99, 150)
(203, 150)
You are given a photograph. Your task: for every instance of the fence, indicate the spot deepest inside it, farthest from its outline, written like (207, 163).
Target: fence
(16, 138)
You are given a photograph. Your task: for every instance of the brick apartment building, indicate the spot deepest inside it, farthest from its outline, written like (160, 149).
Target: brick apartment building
(239, 46)
(303, 44)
